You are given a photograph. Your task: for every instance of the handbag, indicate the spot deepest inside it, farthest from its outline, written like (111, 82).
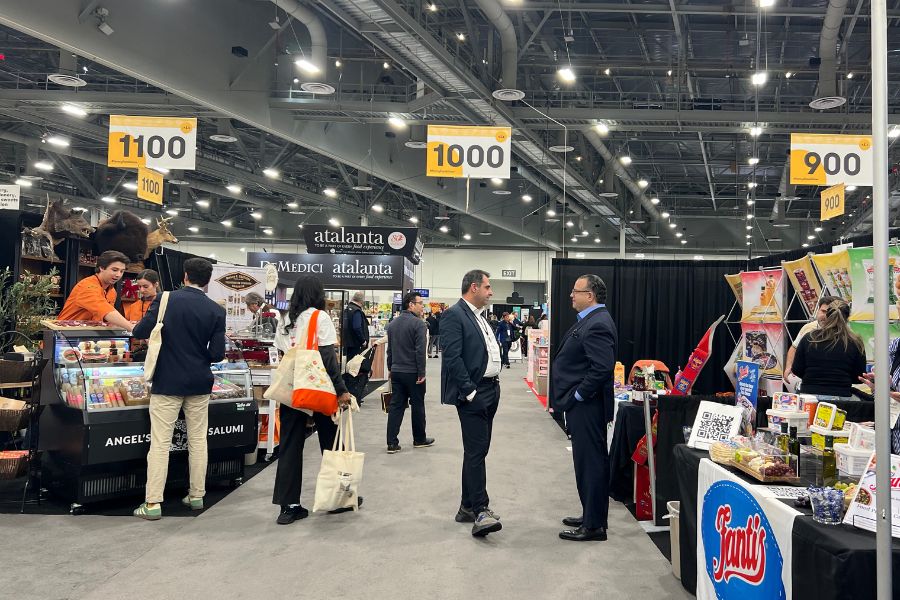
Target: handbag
(154, 343)
(281, 389)
(313, 388)
(337, 485)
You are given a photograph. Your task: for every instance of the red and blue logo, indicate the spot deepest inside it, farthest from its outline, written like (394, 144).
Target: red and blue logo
(741, 553)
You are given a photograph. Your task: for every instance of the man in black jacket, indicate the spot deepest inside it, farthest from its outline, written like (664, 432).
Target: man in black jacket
(406, 364)
(193, 337)
(470, 370)
(356, 327)
(582, 388)
(434, 333)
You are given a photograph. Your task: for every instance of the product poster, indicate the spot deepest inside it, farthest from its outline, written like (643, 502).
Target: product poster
(747, 390)
(834, 268)
(862, 275)
(229, 286)
(763, 295)
(867, 332)
(806, 284)
(744, 548)
(862, 512)
(764, 345)
(734, 282)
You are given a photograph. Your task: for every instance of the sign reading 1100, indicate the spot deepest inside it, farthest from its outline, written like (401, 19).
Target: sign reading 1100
(468, 151)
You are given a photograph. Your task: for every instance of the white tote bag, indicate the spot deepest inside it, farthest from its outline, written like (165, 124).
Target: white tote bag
(342, 469)
(155, 342)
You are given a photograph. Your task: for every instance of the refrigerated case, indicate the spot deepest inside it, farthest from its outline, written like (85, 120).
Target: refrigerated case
(95, 426)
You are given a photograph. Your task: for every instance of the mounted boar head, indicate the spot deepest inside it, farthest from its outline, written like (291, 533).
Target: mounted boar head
(59, 220)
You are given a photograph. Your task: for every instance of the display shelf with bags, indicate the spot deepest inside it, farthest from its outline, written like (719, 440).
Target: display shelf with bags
(95, 426)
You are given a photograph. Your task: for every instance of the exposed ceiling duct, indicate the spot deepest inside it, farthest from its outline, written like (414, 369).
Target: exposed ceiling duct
(597, 142)
(317, 58)
(509, 49)
(828, 43)
(787, 192)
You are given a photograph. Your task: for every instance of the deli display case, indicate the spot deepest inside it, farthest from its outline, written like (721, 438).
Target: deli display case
(95, 426)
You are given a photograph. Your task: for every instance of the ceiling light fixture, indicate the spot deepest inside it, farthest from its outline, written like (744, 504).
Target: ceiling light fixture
(850, 75)
(596, 240)
(643, 183)
(551, 213)
(296, 81)
(23, 182)
(748, 236)
(672, 225)
(145, 220)
(109, 199)
(526, 198)
(756, 131)
(894, 133)
(750, 202)
(601, 128)
(397, 122)
(752, 185)
(334, 222)
(307, 66)
(669, 72)
(817, 229)
(684, 241)
(753, 160)
(226, 222)
(810, 237)
(378, 208)
(414, 219)
(293, 205)
(678, 234)
(172, 213)
(567, 74)
(461, 37)
(496, 181)
(607, 72)
(256, 215)
(43, 165)
(271, 173)
(234, 188)
(74, 109)
(749, 216)
(338, 64)
(766, 3)
(574, 239)
(850, 188)
(203, 203)
(130, 185)
(654, 201)
(759, 78)
(466, 236)
(386, 65)
(330, 192)
(788, 75)
(570, 224)
(268, 231)
(57, 140)
(443, 229)
(665, 214)
(625, 160)
(432, 7)
(804, 245)
(194, 229)
(748, 227)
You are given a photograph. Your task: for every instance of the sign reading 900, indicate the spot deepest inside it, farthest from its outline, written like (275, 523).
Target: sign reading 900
(468, 151)
(825, 159)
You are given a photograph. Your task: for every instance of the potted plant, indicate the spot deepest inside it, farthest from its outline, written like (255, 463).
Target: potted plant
(23, 304)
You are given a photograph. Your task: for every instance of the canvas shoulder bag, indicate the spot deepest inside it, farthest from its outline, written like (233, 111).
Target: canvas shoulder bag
(313, 388)
(155, 342)
(281, 389)
(340, 475)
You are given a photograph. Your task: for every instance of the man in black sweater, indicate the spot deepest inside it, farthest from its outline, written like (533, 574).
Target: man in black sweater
(434, 333)
(406, 364)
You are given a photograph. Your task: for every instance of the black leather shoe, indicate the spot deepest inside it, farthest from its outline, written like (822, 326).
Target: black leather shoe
(583, 534)
(424, 443)
(289, 514)
(573, 521)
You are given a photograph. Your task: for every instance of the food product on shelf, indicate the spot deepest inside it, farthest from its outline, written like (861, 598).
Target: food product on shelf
(830, 416)
(723, 451)
(819, 433)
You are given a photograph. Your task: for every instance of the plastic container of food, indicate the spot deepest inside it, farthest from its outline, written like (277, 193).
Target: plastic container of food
(851, 461)
(786, 402)
(841, 436)
(810, 404)
(829, 416)
(798, 419)
(861, 437)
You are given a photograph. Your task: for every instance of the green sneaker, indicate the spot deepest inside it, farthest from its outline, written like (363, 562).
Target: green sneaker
(193, 503)
(150, 514)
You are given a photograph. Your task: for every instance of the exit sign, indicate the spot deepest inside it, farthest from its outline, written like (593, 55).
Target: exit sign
(508, 273)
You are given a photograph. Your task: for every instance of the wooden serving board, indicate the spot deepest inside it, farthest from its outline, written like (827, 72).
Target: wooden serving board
(765, 479)
(54, 326)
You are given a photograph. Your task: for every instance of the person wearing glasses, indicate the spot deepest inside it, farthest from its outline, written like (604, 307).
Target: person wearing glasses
(582, 388)
(406, 364)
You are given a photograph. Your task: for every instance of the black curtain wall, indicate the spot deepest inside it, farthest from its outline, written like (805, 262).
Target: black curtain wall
(661, 309)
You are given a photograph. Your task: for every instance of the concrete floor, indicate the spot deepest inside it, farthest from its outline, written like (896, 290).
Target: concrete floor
(404, 543)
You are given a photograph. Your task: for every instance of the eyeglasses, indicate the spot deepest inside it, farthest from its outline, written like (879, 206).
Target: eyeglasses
(574, 291)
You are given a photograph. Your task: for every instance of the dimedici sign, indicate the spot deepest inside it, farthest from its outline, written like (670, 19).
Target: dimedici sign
(389, 241)
(341, 271)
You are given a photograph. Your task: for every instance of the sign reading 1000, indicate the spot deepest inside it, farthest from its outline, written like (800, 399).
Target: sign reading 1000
(468, 151)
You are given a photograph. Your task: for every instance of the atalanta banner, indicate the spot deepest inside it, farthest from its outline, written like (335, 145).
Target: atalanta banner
(387, 241)
(743, 539)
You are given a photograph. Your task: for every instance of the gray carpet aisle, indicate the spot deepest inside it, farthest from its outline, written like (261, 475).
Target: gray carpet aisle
(403, 544)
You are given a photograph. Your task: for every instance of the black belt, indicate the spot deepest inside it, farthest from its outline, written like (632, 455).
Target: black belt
(486, 380)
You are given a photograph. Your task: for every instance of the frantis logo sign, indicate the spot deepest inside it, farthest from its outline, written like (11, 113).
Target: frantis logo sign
(742, 550)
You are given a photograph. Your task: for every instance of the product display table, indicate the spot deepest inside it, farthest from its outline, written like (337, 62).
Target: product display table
(824, 561)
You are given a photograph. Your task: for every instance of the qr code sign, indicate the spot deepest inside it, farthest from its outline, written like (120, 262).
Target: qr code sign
(714, 426)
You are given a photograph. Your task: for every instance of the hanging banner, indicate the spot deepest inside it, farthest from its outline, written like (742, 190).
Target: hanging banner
(9, 197)
(806, 284)
(340, 271)
(764, 345)
(468, 151)
(862, 511)
(150, 185)
(744, 548)
(156, 142)
(866, 330)
(229, 286)
(832, 202)
(763, 293)
(399, 241)
(862, 276)
(835, 271)
(747, 391)
(830, 159)
(734, 282)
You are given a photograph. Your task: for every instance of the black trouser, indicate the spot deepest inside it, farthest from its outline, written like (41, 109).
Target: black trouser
(405, 391)
(434, 343)
(289, 475)
(476, 419)
(504, 352)
(586, 422)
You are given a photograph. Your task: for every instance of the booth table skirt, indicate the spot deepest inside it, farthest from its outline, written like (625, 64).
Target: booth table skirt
(627, 433)
(687, 468)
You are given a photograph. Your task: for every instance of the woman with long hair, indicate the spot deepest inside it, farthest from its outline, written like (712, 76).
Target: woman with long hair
(831, 359)
(308, 297)
(148, 288)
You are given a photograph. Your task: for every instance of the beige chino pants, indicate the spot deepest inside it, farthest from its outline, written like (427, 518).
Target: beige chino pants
(163, 414)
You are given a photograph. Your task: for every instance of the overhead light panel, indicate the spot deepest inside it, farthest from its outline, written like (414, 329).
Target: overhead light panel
(57, 140)
(397, 122)
(567, 74)
(194, 229)
(817, 229)
(496, 181)
(804, 245)
(574, 239)
(601, 128)
(894, 133)
(330, 192)
(130, 185)
(684, 241)
(766, 3)
(672, 225)
(551, 213)
(307, 66)
(850, 188)
(414, 219)
(432, 7)
(256, 215)
(753, 160)
(678, 234)
(203, 203)
(607, 72)
(386, 65)
(271, 173)
(234, 188)
(756, 131)
(526, 198)
(23, 182)
(850, 75)
(665, 214)
(748, 227)
(293, 205)
(759, 78)
(466, 236)
(788, 75)
(109, 199)
(74, 110)
(810, 237)
(625, 160)
(570, 224)
(338, 64)
(654, 201)
(378, 208)
(752, 185)
(172, 213)
(461, 37)
(643, 183)
(334, 222)
(268, 231)
(227, 222)
(443, 229)
(596, 240)
(43, 165)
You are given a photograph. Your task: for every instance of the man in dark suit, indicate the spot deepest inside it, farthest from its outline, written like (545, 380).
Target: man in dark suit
(582, 389)
(193, 337)
(470, 370)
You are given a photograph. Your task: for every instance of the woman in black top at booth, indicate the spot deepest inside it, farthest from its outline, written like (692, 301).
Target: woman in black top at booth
(831, 358)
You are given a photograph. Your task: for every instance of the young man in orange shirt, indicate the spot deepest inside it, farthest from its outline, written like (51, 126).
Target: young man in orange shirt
(94, 297)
